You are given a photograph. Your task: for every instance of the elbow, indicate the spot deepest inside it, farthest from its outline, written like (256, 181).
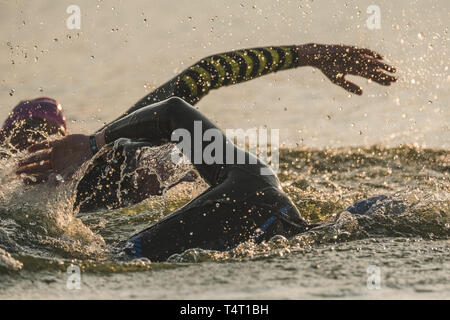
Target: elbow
(176, 105)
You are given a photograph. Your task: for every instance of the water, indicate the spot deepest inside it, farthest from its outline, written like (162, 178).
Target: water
(337, 149)
(324, 272)
(411, 248)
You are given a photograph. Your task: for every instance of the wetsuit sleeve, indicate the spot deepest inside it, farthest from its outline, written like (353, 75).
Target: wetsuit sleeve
(156, 123)
(223, 69)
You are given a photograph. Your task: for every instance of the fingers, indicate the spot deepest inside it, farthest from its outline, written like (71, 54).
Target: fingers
(381, 78)
(372, 59)
(35, 168)
(369, 52)
(375, 74)
(37, 165)
(372, 69)
(40, 165)
(371, 62)
(42, 145)
(347, 85)
(357, 61)
(378, 76)
(36, 157)
(385, 66)
(350, 87)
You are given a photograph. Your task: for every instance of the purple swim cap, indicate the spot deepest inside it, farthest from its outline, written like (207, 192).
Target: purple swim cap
(44, 108)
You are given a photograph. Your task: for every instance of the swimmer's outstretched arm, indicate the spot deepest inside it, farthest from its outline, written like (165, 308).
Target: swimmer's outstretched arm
(224, 69)
(335, 61)
(233, 67)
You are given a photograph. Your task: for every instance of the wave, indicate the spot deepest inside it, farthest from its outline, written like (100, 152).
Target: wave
(39, 229)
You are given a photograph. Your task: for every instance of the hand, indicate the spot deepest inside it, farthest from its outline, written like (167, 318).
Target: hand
(58, 157)
(336, 61)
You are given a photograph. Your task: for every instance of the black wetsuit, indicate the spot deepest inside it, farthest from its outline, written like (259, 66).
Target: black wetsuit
(105, 185)
(241, 203)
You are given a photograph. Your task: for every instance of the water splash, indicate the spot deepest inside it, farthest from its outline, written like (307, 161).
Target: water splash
(38, 223)
(39, 219)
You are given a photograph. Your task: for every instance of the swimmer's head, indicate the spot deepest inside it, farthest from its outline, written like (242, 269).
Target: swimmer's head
(32, 121)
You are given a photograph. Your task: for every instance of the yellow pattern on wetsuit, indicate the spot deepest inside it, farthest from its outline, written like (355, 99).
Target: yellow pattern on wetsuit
(215, 63)
(275, 59)
(192, 85)
(221, 70)
(249, 63)
(288, 57)
(234, 67)
(205, 76)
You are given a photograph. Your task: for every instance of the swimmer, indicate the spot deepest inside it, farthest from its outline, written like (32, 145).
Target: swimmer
(103, 186)
(241, 204)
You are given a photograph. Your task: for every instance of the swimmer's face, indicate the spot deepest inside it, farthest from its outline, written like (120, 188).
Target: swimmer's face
(27, 132)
